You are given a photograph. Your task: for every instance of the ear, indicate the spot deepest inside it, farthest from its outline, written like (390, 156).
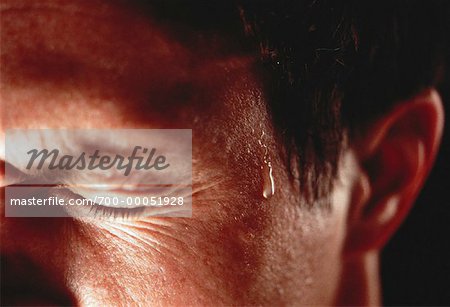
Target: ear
(395, 155)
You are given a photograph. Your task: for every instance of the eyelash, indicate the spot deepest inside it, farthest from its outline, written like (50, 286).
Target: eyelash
(102, 212)
(95, 210)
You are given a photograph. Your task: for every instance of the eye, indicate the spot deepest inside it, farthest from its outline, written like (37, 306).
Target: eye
(105, 201)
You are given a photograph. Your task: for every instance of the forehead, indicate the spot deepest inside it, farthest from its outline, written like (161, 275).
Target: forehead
(109, 54)
(58, 41)
(103, 35)
(112, 29)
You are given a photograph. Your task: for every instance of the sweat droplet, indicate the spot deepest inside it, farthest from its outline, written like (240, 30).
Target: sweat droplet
(269, 184)
(268, 181)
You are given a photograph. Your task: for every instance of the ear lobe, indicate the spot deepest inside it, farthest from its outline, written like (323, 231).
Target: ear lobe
(395, 155)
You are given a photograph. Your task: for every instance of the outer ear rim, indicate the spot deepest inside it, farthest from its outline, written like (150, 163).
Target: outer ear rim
(429, 95)
(388, 215)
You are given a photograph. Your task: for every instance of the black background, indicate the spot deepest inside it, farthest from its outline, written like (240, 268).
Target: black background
(416, 262)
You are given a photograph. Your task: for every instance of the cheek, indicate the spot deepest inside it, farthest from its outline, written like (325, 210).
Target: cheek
(214, 257)
(203, 260)
(273, 252)
(302, 256)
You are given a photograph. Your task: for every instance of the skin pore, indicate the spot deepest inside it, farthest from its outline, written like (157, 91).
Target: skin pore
(75, 64)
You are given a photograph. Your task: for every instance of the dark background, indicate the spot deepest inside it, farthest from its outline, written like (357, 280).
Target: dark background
(416, 262)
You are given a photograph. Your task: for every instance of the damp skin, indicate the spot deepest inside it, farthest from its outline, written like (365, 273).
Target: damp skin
(233, 251)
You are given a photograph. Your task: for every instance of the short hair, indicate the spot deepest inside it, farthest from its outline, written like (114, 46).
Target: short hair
(329, 67)
(332, 67)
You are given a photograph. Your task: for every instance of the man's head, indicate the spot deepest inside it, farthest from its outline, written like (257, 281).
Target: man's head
(314, 126)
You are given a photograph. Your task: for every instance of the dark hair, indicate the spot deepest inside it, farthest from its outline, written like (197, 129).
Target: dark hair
(329, 66)
(334, 66)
